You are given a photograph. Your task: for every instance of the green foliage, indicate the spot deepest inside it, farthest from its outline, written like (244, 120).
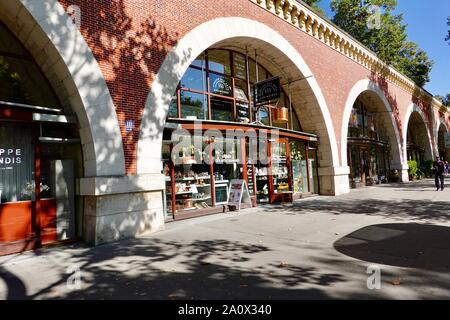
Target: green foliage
(445, 100)
(412, 170)
(388, 39)
(427, 165)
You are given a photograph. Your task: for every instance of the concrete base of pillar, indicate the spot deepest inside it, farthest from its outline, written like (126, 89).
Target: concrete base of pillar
(402, 172)
(117, 208)
(334, 180)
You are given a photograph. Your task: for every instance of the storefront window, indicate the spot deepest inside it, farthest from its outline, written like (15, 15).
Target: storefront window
(299, 166)
(220, 73)
(200, 61)
(262, 115)
(23, 145)
(262, 174)
(194, 79)
(192, 181)
(227, 162)
(221, 109)
(280, 172)
(220, 85)
(173, 108)
(193, 105)
(240, 67)
(219, 61)
(22, 82)
(16, 163)
(242, 102)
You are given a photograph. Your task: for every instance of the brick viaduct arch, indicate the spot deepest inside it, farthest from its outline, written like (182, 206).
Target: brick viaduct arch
(367, 86)
(58, 47)
(428, 143)
(333, 177)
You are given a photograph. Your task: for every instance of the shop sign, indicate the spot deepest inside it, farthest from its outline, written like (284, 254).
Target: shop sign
(267, 90)
(9, 157)
(221, 86)
(238, 193)
(447, 139)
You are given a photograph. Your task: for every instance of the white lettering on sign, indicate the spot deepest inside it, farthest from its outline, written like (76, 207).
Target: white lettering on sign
(10, 156)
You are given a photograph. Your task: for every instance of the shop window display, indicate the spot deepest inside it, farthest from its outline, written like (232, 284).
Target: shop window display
(194, 79)
(227, 99)
(216, 87)
(227, 164)
(366, 149)
(16, 163)
(219, 61)
(262, 175)
(299, 167)
(193, 105)
(221, 109)
(191, 185)
(39, 161)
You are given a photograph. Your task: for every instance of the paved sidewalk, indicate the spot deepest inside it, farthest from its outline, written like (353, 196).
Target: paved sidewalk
(315, 248)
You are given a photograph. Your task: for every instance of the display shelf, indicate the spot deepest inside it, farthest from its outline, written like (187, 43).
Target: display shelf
(185, 179)
(201, 199)
(188, 209)
(222, 181)
(182, 192)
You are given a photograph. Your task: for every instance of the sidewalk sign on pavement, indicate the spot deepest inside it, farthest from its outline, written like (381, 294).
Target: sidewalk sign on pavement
(238, 193)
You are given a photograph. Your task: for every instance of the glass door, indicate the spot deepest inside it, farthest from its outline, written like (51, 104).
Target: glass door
(262, 174)
(299, 167)
(281, 185)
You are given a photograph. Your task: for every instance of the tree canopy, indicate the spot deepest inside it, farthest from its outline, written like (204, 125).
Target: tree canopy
(445, 100)
(314, 4)
(374, 24)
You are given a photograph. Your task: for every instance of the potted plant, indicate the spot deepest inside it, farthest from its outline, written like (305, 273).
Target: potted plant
(412, 170)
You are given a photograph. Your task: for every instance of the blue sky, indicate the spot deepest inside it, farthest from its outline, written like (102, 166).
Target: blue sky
(427, 26)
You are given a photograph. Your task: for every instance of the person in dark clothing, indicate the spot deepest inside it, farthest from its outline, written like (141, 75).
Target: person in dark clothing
(438, 168)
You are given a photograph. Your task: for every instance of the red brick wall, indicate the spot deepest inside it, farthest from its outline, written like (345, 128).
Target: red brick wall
(130, 39)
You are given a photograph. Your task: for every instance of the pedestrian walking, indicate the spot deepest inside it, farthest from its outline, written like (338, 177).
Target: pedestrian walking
(438, 169)
(446, 167)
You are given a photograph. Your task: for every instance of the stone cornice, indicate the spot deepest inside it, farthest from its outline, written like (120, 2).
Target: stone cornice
(300, 16)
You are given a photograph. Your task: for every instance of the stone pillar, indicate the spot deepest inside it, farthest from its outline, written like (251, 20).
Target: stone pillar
(62, 178)
(334, 180)
(117, 208)
(402, 171)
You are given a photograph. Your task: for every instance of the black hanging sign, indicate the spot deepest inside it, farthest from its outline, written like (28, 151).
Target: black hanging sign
(267, 90)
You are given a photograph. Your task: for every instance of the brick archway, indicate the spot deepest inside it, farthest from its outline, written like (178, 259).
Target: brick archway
(58, 47)
(368, 86)
(429, 152)
(218, 31)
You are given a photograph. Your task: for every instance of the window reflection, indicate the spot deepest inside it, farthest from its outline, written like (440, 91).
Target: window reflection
(221, 109)
(219, 61)
(193, 105)
(194, 79)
